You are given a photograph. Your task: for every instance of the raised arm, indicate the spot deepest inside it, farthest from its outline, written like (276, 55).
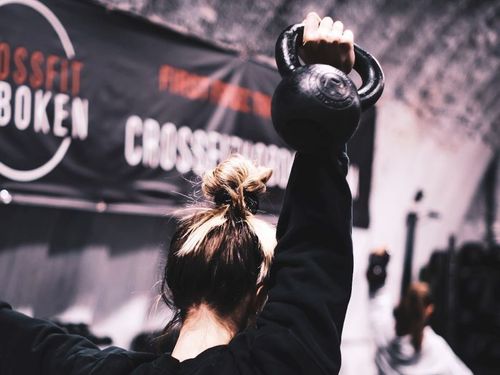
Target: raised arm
(312, 271)
(311, 275)
(380, 304)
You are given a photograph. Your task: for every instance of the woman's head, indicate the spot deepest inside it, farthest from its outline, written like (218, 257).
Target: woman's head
(220, 256)
(413, 311)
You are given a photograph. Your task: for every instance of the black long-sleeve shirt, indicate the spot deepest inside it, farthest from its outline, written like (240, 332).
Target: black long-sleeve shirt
(298, 331)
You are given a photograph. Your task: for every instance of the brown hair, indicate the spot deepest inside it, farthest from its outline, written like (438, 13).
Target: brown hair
(222, 253)
(410, 314)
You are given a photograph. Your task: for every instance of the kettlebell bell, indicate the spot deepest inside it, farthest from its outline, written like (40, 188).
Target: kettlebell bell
(317, 107)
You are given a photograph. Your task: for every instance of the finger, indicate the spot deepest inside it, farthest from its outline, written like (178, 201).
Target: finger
(337, 31)
(347, 37)
(326, 24)
(325, 30)
(311, 25)
(379, 250)
(314, 16)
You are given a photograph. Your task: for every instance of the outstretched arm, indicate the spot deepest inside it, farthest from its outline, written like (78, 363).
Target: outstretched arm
(312, 271)
(299, 330)
(38, 347)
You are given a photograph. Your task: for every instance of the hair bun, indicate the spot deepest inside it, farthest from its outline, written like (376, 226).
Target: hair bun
(236, 183)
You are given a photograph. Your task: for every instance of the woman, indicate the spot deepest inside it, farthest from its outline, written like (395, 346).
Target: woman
(219, 272)
(406, 345)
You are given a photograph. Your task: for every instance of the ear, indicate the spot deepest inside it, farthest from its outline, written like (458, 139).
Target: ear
(428, 311)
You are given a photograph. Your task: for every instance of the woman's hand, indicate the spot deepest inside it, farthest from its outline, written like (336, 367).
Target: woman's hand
(326, 42)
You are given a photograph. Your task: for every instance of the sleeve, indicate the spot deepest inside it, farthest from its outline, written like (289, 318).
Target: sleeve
(38, 347)
(311, 276)
(380, 317)
(457, 367)
(452, 363)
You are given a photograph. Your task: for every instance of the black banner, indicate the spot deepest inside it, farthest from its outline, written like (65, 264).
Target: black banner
(98, 107)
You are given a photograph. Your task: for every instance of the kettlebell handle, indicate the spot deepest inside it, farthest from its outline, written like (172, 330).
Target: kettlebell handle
(369, 69)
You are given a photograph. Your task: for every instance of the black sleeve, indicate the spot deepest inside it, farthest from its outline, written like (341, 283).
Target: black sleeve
(38, 347)
(300, 328)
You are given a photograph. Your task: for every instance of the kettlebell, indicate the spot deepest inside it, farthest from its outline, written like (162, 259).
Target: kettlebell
(317, 107)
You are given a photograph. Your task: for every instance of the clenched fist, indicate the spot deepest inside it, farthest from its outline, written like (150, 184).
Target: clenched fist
(326, 42)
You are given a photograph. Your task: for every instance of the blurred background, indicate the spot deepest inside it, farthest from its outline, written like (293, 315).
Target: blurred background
(111, 110)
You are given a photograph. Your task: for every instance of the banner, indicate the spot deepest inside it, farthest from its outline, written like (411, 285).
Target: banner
(101, 108)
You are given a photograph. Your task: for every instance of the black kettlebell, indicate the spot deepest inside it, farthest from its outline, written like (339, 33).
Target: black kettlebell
(316, 107)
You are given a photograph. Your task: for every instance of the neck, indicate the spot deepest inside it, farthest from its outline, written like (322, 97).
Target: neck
(201, 330)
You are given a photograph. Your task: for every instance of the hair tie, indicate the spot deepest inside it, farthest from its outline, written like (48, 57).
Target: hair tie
(222, 197)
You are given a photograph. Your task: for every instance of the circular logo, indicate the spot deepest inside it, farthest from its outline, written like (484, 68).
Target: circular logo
(332, 89)
(39, 172)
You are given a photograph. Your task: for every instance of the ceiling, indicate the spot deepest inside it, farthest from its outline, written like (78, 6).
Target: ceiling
(440, 57)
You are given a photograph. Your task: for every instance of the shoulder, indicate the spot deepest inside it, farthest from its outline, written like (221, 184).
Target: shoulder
(431, 338)
(438, 346)
(277, 350)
